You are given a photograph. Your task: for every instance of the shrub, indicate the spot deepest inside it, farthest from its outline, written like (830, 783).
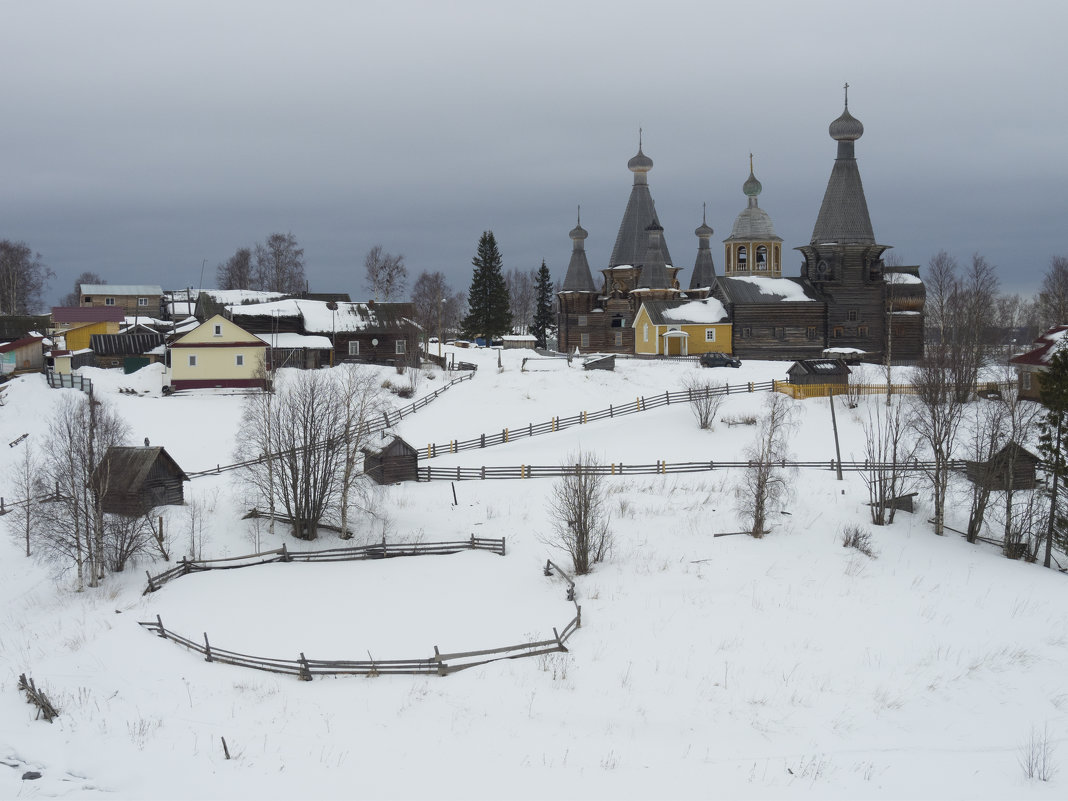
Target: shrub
(859, 538)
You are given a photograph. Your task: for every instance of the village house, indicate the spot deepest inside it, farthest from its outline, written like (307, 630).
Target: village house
(137, 479)
(76, 324)
(22, 355)
(218, 353)
(1033, 363)
(682, 327)
(133, 299)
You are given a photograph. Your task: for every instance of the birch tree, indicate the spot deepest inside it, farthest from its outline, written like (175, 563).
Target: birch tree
(764, 481)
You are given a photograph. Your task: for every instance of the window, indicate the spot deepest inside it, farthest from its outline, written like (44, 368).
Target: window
(747, 331)
(762, 258)
(218, 330)
(853, 316)
(354, 347)
(1025, 380)
(838, 332)
(87, 299)
(584, 340)
(645, 332)
(399, 349)
(582, 320)
(109, 301)
(619, 338)
(862, 331)
(742, 264)
(239, 360)
(811, 333)
(142, 301)
(710, 335)
(618, 322)
(780, 332)
(192, 360)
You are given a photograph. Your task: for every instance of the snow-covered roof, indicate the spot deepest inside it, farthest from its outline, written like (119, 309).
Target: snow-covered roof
(779, 287)
(121, 289)
(294, 341)
(1045, 347)
(228, 296)
(708, 310)
(901, 278)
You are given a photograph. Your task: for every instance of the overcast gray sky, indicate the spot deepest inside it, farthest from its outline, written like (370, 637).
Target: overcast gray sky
(140, 139)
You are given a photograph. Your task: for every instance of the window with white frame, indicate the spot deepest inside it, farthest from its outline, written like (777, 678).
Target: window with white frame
(645, 332)
(239, 360)
(710, 335)
(354, 347)
(109, 301)
(400, 347)
(192, 360)
(619, 338)
(217, 331)
(584, 340)
(142, 301)
(582, 320)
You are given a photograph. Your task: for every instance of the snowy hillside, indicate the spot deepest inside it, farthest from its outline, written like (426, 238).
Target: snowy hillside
(705, 666)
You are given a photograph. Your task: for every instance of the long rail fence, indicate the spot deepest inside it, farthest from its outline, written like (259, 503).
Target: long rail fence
(370, 427)
(429, 473)
(305, 668)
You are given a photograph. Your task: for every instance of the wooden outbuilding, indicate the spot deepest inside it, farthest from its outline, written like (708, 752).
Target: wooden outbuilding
(819, 371)
(391, 460)
(135, 479)
(994, 474)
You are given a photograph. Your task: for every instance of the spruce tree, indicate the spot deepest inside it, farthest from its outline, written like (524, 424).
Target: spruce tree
(543, 307)
(1052, 444)
(487, 300)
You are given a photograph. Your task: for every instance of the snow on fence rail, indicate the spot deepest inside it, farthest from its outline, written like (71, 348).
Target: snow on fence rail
(381, 550)
(389, 419)
(429, 473)
(644, 403)
(639, 404)
(441, 664)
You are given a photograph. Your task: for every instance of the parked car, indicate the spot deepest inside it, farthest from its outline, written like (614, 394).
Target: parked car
(719, 360)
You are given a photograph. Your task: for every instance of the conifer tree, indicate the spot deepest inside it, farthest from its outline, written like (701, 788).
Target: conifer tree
(487, 300)
(543, 308)
(1052, 444)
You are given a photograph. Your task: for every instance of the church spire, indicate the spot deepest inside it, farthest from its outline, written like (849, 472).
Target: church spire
(704, 268)
(844, 215)
(632, 240)
(578, 277)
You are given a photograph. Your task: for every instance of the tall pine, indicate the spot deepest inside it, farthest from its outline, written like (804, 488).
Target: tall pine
(543, 307)
(488, 314)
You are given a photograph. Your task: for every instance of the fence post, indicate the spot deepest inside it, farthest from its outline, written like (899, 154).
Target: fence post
(207, 648)
(483, 440)
(750, 386)
(305, 670)
(483, 472)
(610, 410)
(433, 449)
(285, 553)
(162, 631)
(667, 397)
(503, 544)
(505, 435)
(151, 587)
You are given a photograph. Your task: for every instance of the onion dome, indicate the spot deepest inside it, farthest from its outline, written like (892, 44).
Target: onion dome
(846, 128)
(704, 230)
(641, 163)
(578, 233)
(751, 187)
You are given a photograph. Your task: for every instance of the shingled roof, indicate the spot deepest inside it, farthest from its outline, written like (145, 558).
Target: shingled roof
(632, 240)
(843, 216)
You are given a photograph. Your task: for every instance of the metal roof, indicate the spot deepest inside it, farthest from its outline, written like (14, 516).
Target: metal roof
(122, 344)
(740, 291)
(121, 289)
(88, 314)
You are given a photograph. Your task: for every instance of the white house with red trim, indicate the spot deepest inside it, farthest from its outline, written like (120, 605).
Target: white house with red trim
(218, 353)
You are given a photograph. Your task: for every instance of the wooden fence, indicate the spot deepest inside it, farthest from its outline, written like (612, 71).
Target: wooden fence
(388, 420)
(382, 550)
(36, 697)
(69, 381)
(639, 404)
(429, 473)
(803, 391)
(441, 664)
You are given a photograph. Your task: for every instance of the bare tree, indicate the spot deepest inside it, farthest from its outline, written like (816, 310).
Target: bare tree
(764, 481)
(437, 308)
(705, 396)
(1053, 296)
(387, 277)
(74, 297)
(578, 510)
(82, 431)
(936, 419)
(235, 272)
(939, 284)
(888, 449)
(986, 433)
(1020, 417)
(362, 401)
(967, 314)
(27, 482)
(296, 440)
(521, 297)
(23, 278)
(280, 264)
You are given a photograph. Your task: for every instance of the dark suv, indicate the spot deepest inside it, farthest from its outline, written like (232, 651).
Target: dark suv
(719, 360)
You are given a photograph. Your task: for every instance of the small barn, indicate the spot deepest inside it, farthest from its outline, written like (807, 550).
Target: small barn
(391, 460)
(819, 371)
(24, 354)
(994, 474)
(136, 479)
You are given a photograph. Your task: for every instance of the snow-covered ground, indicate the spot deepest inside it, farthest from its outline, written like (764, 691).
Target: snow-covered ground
(705, 666)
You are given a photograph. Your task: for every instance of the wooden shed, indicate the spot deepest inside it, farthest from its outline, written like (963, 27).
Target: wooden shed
(391, 460)
(994, 473)
(819, 371)
(136, 479)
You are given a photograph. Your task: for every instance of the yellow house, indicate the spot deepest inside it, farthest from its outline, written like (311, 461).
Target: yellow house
(218, 353)
(682, 327)
(77, 338)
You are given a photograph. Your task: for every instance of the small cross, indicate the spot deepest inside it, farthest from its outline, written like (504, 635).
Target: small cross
(846, 87)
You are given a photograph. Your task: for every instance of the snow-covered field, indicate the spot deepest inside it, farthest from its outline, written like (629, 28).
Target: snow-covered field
(705, 666)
